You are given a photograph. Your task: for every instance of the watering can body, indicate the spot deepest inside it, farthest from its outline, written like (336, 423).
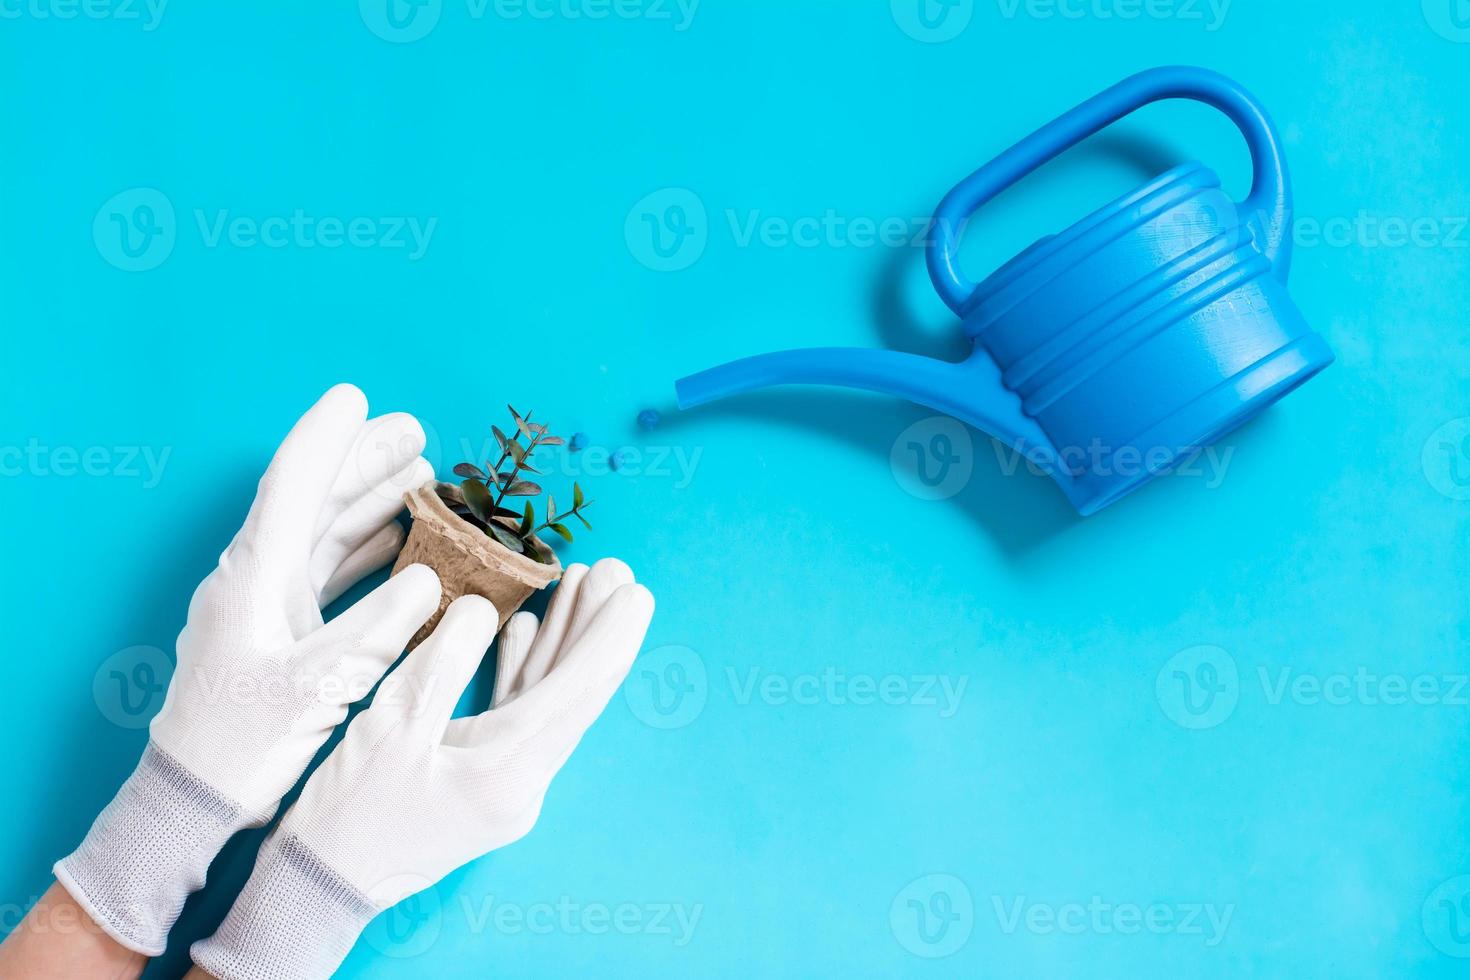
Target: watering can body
(1108, 352)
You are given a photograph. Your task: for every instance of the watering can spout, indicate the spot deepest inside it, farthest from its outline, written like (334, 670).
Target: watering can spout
(970, 390)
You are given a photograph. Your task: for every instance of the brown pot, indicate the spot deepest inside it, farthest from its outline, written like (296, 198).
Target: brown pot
(467, 560)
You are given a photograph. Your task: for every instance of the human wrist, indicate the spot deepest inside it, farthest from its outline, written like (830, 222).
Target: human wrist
(149, 849)
(59, 939)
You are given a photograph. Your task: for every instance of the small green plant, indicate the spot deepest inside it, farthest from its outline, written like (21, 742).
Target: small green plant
(485, 491)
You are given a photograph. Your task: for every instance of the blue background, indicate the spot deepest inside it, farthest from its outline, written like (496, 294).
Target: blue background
(1334, 834)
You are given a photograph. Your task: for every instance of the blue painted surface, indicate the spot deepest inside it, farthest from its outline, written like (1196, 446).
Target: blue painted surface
(900, 712)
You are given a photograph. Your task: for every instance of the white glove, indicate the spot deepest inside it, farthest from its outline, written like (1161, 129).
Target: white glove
(260, 682)
(410, 795)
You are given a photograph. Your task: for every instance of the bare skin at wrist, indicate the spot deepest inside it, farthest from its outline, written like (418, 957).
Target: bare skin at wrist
(58, 940)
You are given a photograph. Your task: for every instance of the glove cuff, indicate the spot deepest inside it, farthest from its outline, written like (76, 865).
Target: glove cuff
(295, 920)
(148, 849)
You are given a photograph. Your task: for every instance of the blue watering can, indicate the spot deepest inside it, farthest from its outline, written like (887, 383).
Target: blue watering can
(1114, 350)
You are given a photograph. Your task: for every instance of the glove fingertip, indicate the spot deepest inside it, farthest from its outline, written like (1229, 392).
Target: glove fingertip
(346, 397)
(421, 588)
(521, 626)
(400, 432)
(413, 431)
(575, 570)
(638, 596)
(421, 473)
(630, 609)
(473, 613)
(610, 570)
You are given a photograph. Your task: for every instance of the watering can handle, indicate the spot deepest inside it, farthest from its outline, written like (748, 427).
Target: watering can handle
(1267, 207)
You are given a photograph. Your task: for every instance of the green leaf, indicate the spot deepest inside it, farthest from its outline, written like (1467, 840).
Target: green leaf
(516, 450)
(576, 495)
(562, 530)
(502, 534)
(528, 521)
(477, 499)
(470, 471)
(578, 515)
(523, 488)
(513, 515)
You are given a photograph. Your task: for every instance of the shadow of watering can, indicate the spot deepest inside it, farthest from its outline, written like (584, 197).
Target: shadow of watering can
(1114, 350)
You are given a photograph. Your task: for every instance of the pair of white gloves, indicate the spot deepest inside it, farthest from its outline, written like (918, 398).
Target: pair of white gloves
(409, 794)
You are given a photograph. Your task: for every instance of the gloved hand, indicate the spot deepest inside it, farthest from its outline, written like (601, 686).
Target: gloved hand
(260, 682)
(410, 795)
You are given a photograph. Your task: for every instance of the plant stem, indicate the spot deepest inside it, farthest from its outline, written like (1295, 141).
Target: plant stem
(500, 495)
(516, 438)
(556, 518)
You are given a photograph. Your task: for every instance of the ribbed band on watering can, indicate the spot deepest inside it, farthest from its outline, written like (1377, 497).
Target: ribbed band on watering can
(1144, 332)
